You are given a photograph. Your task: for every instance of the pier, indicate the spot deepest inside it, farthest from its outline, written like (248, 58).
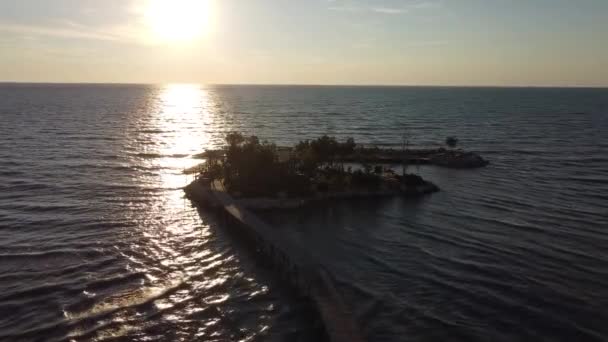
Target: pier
(292, 263)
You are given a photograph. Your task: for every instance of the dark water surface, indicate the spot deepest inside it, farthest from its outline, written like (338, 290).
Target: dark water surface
(97, 242)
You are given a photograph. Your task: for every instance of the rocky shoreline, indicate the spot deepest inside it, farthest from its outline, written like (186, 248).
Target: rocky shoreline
(260, 175)
(202, 190)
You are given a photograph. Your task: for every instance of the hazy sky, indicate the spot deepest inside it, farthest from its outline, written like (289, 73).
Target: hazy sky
(430, 42)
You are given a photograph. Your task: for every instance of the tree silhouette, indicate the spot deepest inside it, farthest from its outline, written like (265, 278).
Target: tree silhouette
(234, 139)
(451, 141)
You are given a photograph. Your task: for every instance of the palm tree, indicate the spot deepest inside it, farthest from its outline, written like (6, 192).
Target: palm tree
(234, 139)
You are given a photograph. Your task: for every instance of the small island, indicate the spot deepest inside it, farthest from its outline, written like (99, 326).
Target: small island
(260, 175)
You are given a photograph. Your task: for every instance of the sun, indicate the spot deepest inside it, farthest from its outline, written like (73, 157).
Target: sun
(177, 20)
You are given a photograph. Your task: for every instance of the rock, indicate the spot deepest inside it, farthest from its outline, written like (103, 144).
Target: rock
(458, 159)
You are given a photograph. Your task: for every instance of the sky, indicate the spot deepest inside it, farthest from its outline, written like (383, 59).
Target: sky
(357, 42)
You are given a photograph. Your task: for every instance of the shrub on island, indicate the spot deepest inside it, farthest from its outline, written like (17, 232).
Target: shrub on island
(253, 168)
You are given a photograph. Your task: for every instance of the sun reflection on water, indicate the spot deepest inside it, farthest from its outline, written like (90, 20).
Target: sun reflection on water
(183, 112)
(176, 274)
(180, 116)
(171, 234)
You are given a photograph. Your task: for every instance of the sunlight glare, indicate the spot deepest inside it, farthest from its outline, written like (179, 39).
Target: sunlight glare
(178, 20)
(183, 114)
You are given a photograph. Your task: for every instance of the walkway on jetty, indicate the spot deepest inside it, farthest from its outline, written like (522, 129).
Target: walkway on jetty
(292, 261)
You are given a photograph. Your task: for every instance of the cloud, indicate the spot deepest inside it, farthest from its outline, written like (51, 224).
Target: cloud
(68, 31)
(345, 8)
(426, 5)
(119, 22)
(429, 43)
(126, 34)
(407, 8)
(388, 10)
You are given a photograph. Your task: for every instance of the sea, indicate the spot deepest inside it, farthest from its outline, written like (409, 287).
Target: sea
(98, 243)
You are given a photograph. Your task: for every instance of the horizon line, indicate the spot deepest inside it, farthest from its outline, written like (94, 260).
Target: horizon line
(404, 85)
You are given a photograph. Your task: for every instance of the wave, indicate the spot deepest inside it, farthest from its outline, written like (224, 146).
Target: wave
(159, 155)
(152, 131)
(67, 253)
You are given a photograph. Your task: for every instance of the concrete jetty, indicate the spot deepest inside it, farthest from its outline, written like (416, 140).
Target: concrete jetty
(293, 263)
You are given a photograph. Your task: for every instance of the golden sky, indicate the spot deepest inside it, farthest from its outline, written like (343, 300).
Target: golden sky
(410, 42)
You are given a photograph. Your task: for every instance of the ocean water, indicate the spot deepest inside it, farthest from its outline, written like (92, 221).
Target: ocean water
(98, 243)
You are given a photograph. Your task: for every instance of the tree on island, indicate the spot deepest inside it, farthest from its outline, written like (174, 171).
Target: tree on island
(312, 153)
(326, 148)
(234, 138)
(451, 142)
(347, 148)
(250, 168)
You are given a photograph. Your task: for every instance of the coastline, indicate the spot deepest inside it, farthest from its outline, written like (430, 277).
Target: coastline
(202, 192)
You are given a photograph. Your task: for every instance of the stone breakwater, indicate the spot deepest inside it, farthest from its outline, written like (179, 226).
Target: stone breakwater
(439, 157)
(205, 195)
